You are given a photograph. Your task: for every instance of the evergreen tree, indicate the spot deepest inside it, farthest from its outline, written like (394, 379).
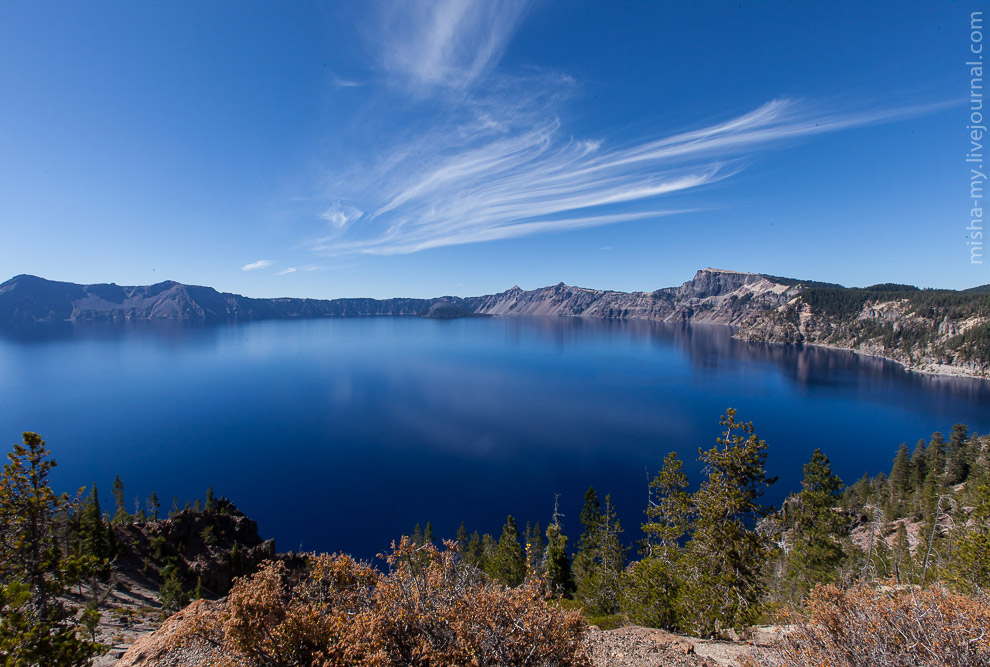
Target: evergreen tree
(171, 593)
(668, 515)
(428, 533)
(211, 500)
(93, 530)
(604, 559)
(919, 467)
(557, 571)
(816, 551)
(139, 514)
(535, 550)
(509, 563)
(154, 506)
(725, 556)
(120, 516)
(472, 551)
(488, 548)
(417, 536)
(934, 474)
(957, 455)
(35, 627)
(591, 519)
(970, 565)
(900, 482)
(462, 538)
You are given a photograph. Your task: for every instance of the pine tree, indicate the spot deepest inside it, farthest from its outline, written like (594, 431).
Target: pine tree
(120, 515)
(535, 550)
(934, 474)
(93, 530)
(816, 551)
(725, 556)
(509, 563)
(899, 482)
(428, 533)
(591, 519)
(417, 536)
(604, 559)
(919, 466)
(957, 455)
(558, 577)
(462, 538)
(488, 548)
(669, 511)
(211, 501)
(171, 593)
(154, 506)
(472, 551)
(970, 566)
(35, 626)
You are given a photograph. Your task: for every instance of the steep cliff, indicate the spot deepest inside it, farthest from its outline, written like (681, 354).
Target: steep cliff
(930, 331)
(713, 296)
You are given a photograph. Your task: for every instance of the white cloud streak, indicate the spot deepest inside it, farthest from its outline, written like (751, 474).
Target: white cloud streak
(446, 42)
(495, 162)
(260, 264)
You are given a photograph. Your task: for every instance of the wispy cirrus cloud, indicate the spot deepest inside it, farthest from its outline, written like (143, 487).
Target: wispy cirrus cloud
(493, 158)
(447, 42)
(521, 177)
(260, 264)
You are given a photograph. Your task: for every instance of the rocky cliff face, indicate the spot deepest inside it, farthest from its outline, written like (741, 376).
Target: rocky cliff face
(712, 296)
(939, 334)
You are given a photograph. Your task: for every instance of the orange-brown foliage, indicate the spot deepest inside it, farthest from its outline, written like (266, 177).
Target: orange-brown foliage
(883, 627)
(430, 610)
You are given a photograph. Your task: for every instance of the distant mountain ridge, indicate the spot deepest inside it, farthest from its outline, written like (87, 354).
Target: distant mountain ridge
(933, 331)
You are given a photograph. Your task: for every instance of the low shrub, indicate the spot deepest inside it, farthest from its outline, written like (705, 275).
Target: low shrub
(430, 609)
(884, 627)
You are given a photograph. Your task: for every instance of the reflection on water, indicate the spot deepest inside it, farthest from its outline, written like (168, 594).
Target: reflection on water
(344, 433)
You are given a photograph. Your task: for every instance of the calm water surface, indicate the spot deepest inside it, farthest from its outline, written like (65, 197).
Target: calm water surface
(342, 434)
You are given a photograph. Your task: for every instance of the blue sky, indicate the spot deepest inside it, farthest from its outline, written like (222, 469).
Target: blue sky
(459, 147)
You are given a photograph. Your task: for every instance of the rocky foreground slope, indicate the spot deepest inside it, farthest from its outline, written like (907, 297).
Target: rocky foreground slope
(933, 331)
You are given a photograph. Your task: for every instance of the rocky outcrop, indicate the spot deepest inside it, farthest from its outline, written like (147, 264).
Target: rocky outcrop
(212, 547)
(175, 643)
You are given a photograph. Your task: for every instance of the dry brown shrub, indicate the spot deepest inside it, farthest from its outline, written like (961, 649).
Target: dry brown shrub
(884, 627)
(430, 610)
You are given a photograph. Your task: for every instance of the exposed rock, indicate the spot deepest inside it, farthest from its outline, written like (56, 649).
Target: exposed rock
(201, 543)
(634, 646)
(174, 644)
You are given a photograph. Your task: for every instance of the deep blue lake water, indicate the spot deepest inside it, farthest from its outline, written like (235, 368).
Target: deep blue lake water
(342, 434)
